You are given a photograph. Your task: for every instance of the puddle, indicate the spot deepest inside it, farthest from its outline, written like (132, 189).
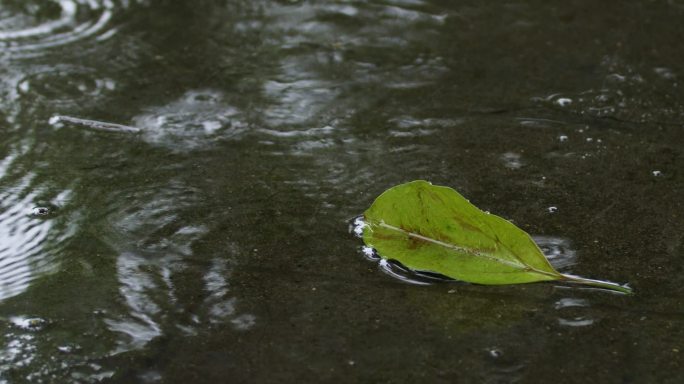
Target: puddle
(212, 243)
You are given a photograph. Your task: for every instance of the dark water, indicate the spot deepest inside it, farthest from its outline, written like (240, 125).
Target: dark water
(213, 245)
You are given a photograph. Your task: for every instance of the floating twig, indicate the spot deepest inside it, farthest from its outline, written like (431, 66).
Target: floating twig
(93, 124)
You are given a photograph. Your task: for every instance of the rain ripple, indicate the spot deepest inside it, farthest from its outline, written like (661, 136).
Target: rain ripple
(573, 312)
(32, 233)
(64, 86)
(32, 27)
(625, 93)
(558, 251)
(154, 237)
(196, 120)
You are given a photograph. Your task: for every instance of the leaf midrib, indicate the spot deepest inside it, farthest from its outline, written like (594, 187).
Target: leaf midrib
(468, 251)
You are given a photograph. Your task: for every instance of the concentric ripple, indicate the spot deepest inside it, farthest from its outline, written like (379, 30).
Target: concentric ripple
(41, 25)
(155, 239)
(30, 230)
(197, 119)
(64, 86)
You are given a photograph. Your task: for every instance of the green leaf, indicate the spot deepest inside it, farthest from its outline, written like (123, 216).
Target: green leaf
(432, 228)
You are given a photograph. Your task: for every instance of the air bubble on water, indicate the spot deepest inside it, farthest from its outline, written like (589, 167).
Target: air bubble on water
(68, 348)
(54, 120)
(356, 226)
(369, 253)
(40, 211)
(564, 101)
(28, 323)
(495, 353)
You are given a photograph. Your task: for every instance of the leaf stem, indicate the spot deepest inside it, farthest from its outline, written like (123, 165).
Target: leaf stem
(598, 283)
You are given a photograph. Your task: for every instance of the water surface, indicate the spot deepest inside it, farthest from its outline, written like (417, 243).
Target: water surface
(213, 244)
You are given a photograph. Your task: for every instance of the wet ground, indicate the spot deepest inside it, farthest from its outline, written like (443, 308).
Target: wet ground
(214, 244)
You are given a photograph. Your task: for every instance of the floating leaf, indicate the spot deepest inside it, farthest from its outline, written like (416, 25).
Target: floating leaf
(432, 228)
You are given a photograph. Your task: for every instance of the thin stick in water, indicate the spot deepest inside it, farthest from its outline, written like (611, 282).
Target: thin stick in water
(93, 124)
